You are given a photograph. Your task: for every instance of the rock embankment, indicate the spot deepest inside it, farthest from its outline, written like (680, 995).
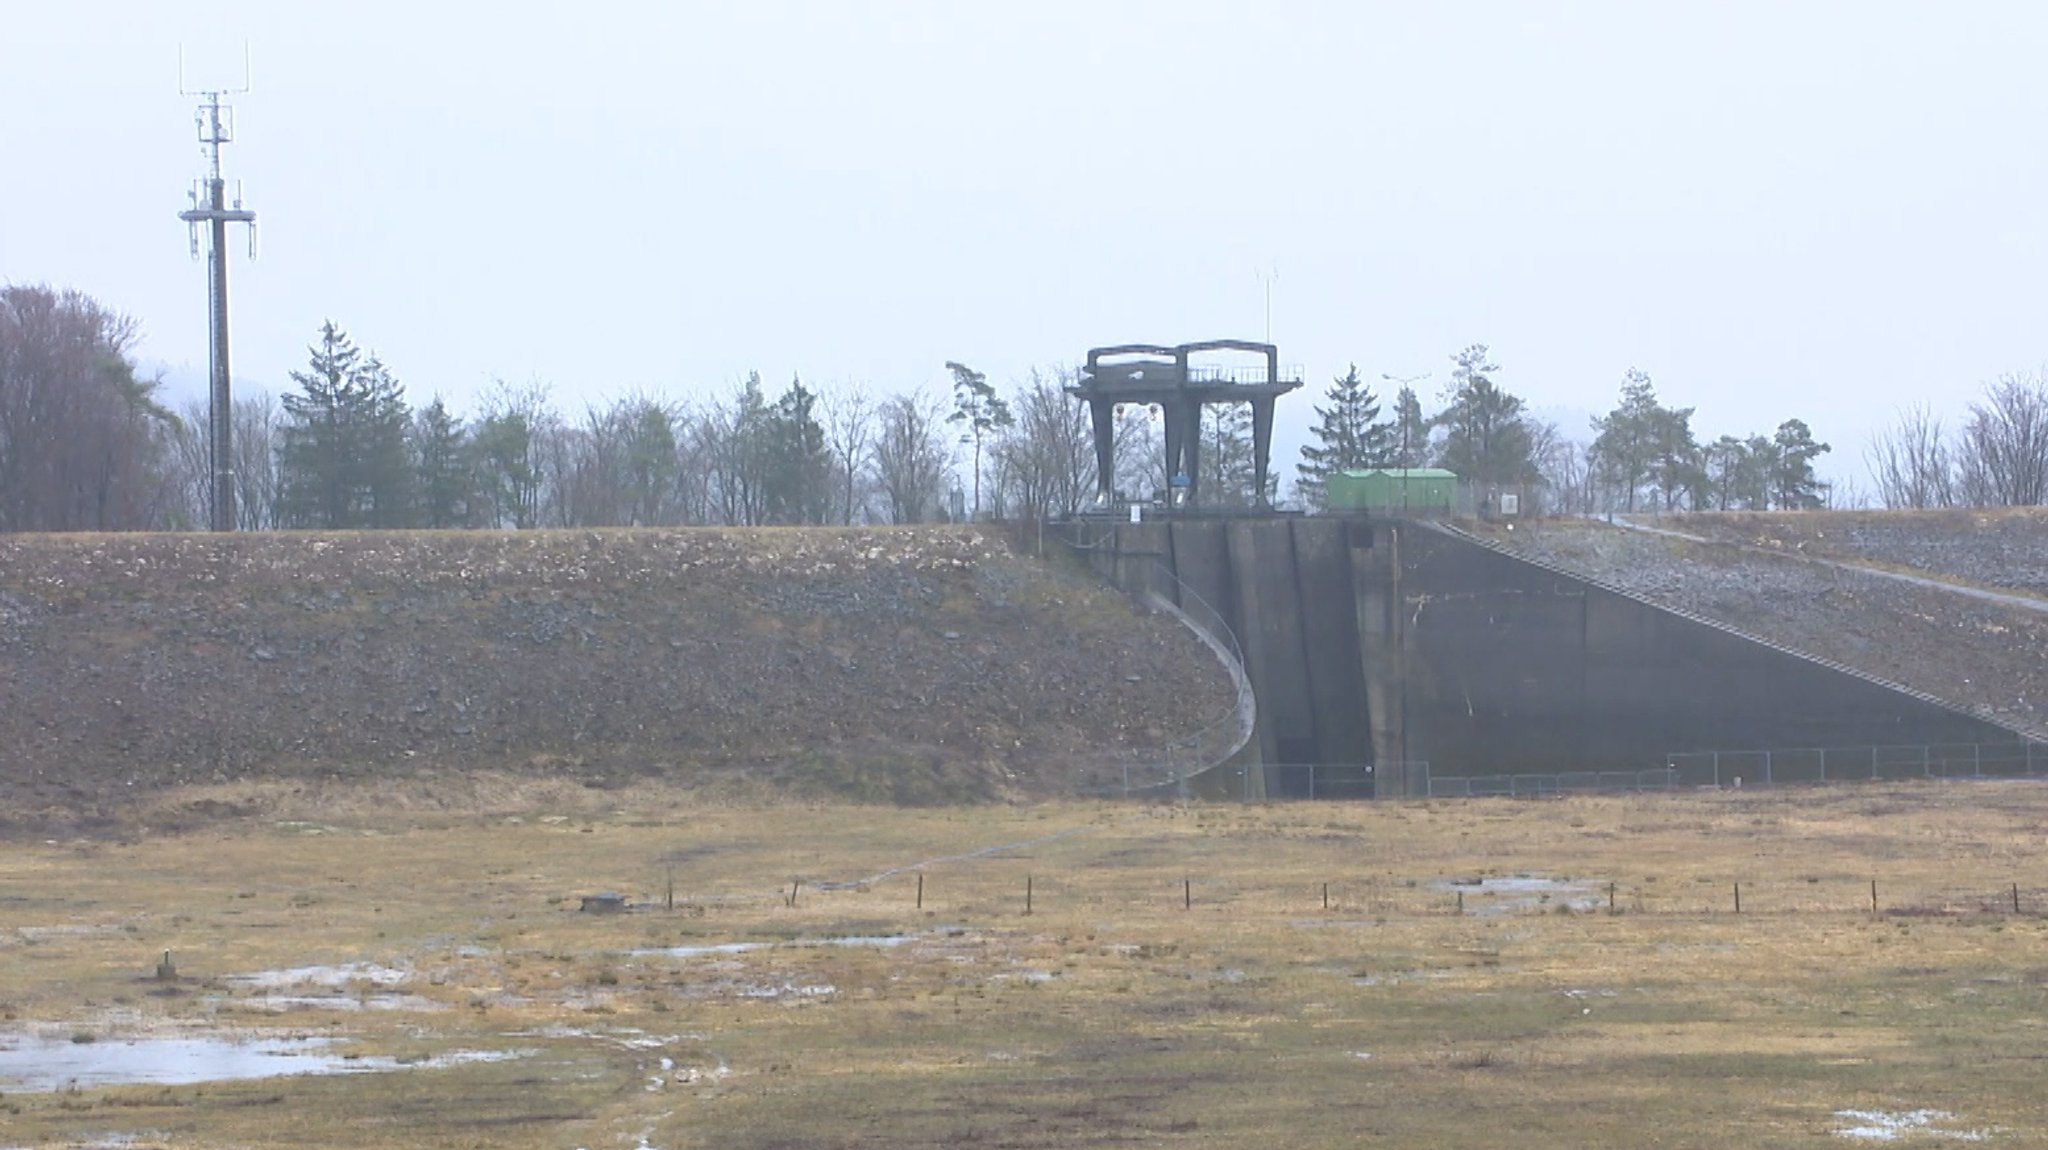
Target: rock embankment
(1990, 547)
(1986, 656)
(899, 665)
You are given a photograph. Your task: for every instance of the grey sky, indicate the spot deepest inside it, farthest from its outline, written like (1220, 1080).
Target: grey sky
(1776, 209)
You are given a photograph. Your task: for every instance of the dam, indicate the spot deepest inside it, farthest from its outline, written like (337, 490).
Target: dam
(1387, 652)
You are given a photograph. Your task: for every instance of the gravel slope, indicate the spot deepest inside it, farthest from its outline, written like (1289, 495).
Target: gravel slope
(898, 665)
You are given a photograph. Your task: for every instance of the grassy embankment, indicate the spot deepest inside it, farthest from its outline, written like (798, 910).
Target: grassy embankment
(1113, 1012)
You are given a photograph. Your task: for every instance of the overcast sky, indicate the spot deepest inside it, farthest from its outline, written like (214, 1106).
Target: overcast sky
(1822, 210)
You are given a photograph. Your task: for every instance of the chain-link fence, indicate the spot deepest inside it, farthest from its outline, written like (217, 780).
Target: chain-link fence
(1534, 785)
(1319, 780)
(1843, 764)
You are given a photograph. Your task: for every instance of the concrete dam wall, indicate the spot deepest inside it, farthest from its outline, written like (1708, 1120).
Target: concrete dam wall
(1386, 652)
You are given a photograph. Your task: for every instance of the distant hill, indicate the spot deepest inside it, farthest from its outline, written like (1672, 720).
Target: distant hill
(908, 665)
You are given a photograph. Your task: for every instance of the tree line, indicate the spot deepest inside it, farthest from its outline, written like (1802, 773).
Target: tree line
(1642, 455)
(88, 443)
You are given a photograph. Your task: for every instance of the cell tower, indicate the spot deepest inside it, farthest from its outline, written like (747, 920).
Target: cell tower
(211, 214)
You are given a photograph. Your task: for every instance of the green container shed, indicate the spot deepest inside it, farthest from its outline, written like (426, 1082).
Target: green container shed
(1394, 490)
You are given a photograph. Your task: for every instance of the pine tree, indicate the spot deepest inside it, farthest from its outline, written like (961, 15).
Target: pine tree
(1410, 437)
(445, 482)
(342, 448)
(976, 404)
(1228, 471)
(1486, 440)
(798, 463)
(1793, 484)
(1349, 436)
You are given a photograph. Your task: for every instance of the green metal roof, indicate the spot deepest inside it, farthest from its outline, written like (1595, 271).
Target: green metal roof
(1404, 473)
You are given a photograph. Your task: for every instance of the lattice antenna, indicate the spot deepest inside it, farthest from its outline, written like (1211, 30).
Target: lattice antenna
(211, 214)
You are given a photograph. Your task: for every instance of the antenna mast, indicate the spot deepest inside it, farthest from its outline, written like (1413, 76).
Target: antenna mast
(211, 214)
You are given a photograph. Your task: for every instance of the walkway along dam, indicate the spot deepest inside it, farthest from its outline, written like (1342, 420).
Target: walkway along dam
(1385, 652)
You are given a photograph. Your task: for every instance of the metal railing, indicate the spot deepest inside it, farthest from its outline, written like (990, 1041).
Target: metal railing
(1287, 373)
(1211, 749)
(1796, 765)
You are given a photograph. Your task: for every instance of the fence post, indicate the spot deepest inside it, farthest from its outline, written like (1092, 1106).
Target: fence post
(1717, 770)
(1312, 780)
(1767, 768)
(1977, 760)
(1926, 761)
(1823, 764)
(1738, 898)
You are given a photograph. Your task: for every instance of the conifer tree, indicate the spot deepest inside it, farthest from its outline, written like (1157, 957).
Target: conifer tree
(342, 449)
(1349, 436)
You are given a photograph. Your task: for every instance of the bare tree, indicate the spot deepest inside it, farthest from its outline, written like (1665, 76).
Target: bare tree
(734, 438)
(1911, 462)
(909, 456)
(1564, 467)
(82, 437)
(2003, 461)
(1046, 459)
(188, 467)
(254, 421)
(1139, 461)
(849, 431)
(510, 442)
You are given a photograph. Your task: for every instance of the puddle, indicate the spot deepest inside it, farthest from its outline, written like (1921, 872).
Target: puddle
(708, 949)
(36, 1064)
(351, 986)
(281, 1003)
(1522, 892)
(332, 977)
(789, 990)
(1891, 1125)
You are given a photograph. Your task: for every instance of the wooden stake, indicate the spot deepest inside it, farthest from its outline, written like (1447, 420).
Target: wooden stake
(1738, 898)
(1610, 898)
(920, 890)
(1873, 896)
(1187, 894)
(2015, 898)
(1027, 894)
(1326, 896)
(671, 900)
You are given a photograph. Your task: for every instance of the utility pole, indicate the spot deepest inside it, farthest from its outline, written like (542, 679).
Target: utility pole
(210, 209)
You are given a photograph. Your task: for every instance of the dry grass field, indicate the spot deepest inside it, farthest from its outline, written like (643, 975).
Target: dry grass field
(1561, 973)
